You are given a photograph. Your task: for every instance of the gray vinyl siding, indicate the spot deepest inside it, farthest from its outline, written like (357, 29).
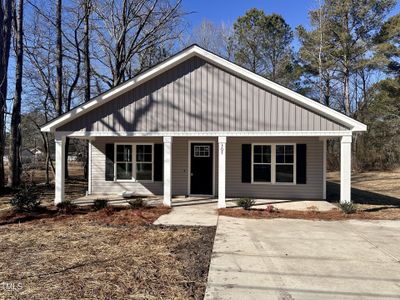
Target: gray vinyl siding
(234, 186)
(311, 190)
(198, 96)
(101, 186)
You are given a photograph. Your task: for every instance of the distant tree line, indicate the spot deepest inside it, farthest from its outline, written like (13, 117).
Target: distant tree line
(56, 55)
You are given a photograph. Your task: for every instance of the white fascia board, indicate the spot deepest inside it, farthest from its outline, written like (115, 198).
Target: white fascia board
(91, 134)
(282, 91)
(220, 62)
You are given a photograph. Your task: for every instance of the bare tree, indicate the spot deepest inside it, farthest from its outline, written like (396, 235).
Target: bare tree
(15, 136)
(129, 27)
(215, 38)
(5, 40)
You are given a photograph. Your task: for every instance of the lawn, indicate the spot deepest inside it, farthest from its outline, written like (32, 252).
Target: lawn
(112, 253)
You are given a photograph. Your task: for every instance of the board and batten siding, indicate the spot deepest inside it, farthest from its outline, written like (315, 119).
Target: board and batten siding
(198, 96)
(234, 187)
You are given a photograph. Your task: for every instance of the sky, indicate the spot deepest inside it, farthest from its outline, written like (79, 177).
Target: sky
(295, 12)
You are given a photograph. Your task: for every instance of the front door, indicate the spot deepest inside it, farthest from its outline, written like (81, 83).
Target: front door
(201, 168)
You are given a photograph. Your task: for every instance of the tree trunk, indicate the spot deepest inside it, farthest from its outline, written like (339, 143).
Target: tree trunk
(346, 91)
(5, 40)
(59, 62)
(15, 137)
(86, 50)
(86, 59)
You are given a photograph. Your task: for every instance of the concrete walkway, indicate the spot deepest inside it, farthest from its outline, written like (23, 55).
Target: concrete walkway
(299, 259)
(202, 211)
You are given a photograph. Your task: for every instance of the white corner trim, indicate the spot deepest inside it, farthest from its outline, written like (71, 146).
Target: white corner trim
(220, 62)
(169, 134)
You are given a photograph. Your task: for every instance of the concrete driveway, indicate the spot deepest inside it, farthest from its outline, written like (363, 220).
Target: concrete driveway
(299, 259)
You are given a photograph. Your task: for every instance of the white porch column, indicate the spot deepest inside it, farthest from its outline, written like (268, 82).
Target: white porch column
(60, 169)
(221, 171)
(345, 169)
(167, 170)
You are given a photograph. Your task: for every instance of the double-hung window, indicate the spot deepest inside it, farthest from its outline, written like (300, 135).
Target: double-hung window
(134, 162)
(262, 163)
(124, 164)
(273, 163)
(284, 163)
(144, 162)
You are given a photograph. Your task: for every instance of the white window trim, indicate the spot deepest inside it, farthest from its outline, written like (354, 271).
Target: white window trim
(134, 162)
(273, 163)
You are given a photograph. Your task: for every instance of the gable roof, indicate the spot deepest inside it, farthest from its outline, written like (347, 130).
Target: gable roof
(186, 54)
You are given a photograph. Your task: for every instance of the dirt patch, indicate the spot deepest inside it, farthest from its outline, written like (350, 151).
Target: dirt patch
(104, 255)
(382, 213)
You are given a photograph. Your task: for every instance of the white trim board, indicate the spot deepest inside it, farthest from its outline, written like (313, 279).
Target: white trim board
(218, 61)
(89, 134)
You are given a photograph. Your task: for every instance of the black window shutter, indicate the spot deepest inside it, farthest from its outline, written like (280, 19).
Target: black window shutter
(301, 166)
(246, 163)
(158, 162)
(109, 162)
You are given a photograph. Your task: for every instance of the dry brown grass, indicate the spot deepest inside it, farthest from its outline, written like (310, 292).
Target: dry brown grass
(104, 255)
(376, 194)
(381, 182)
(75, 186)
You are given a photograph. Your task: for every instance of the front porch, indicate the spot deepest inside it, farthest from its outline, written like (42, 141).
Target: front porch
(226, 179)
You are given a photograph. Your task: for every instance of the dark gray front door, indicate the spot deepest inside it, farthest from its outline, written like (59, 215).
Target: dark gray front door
(201, 168)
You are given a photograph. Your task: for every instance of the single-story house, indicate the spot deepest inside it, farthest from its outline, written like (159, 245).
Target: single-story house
(197, 124)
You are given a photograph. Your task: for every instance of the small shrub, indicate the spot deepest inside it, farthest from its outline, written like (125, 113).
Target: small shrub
(347, 207)
(245, 203)
(26, 199)
(66, 207)
(270, 208)
(100, 204)
(136, 203)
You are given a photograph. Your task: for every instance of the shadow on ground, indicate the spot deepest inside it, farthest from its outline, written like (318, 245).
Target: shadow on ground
(360, 196)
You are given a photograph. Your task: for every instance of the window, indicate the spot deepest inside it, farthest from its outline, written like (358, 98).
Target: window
(273, 163)
(262, 163)
(124, 162)
(201, 151)
(144, 162)
(134, 161)
(284, 163)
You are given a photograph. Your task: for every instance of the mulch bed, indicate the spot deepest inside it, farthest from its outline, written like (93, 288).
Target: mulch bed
(380, 213)
(112, 215)
(113, 253)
